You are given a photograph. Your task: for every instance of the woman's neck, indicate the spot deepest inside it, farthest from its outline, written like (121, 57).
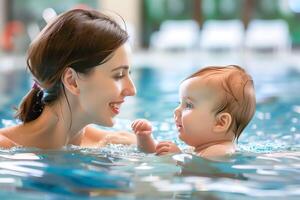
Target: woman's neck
(54, 128)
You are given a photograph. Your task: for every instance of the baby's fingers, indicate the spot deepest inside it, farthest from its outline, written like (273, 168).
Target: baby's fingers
(163, 143)
(136, 124)
(162, 150)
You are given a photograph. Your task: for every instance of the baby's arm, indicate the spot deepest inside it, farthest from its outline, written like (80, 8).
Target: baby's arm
(143, 130)
(167, 147)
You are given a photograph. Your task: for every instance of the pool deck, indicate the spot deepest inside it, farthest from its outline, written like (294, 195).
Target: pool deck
(171, 59)
(253, 61)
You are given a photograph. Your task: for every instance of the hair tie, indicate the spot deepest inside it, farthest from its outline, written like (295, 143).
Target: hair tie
(50, 94)
(36, 86)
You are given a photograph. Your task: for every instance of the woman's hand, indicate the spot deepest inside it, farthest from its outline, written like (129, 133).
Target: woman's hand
(166, 147)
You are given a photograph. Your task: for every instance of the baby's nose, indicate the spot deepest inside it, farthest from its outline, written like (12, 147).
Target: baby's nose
(177, 113)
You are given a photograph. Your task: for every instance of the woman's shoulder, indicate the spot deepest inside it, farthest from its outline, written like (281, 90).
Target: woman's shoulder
(5, 141)
(7, 131)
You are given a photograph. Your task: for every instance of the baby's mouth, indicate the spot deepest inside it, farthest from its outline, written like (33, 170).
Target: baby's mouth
(179, 127)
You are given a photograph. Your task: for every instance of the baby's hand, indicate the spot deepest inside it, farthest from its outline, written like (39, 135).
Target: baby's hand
(167, 147)
(141, 127)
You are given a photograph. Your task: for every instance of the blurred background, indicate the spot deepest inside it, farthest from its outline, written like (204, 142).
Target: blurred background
(188, 24)
(170, 39)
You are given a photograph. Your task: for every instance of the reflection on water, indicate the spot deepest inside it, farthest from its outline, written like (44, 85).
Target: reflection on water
(68, 172)
(123, 172)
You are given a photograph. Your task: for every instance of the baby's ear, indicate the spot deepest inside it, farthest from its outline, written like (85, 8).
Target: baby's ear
(223, 122)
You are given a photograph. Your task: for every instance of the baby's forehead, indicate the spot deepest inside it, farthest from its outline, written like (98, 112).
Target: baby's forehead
(199, 83)
(197, 86)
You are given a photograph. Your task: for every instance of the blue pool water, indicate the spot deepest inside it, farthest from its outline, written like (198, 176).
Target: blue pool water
(267, 165)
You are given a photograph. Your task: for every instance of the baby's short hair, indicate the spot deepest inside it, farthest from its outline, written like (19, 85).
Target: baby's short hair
(238, 96)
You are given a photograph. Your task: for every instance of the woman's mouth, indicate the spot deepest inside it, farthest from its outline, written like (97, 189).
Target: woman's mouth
(115, 107)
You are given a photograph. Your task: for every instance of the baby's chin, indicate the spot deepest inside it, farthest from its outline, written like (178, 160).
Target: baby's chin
(180, 136)
(187, 141)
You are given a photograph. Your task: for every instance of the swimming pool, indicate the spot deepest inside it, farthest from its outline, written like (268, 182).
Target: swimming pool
(257, 171)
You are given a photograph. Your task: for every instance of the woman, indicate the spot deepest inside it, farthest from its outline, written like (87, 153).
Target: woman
(81, 73)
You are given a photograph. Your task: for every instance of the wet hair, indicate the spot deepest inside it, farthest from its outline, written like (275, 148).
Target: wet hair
(237, 96)
(79, 39)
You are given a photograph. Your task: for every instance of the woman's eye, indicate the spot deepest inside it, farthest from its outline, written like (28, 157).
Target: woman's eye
(119, 75)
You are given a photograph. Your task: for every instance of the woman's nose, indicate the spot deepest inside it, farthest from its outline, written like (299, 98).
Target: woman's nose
(129, 88)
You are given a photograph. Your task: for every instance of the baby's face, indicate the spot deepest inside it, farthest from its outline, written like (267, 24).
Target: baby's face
(194, 116)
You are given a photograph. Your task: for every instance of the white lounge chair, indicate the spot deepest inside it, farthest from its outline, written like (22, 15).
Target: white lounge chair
(222, 35)
(175, 34)
(268, 35)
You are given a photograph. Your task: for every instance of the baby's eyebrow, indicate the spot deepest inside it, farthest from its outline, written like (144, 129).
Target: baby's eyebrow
(188, 98)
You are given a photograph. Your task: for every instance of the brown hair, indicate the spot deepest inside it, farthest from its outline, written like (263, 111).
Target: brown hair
(79, 39)
(238, 96)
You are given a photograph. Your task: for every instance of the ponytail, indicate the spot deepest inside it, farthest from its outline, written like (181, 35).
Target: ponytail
(31, 105)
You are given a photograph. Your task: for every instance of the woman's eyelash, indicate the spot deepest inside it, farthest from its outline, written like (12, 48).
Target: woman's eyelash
(119, 75)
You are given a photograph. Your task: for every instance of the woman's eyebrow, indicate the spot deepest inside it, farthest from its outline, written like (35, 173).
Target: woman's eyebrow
(126, 67)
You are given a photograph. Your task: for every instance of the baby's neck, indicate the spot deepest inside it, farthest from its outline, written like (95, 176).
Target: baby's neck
(216, 148)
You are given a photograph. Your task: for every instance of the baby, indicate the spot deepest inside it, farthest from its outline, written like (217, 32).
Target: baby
(216, 104)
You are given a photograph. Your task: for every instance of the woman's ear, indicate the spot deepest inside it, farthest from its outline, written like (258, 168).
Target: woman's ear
(223, 122)
(69, 79)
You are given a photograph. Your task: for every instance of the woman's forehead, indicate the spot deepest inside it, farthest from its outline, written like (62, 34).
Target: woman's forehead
(117, 59)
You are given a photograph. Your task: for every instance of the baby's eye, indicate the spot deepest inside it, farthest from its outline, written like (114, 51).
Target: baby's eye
(189, 105)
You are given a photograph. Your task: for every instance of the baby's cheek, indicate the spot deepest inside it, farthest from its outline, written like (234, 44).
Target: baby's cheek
(188, 120)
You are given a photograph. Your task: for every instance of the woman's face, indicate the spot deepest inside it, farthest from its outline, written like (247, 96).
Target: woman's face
(104, 90)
